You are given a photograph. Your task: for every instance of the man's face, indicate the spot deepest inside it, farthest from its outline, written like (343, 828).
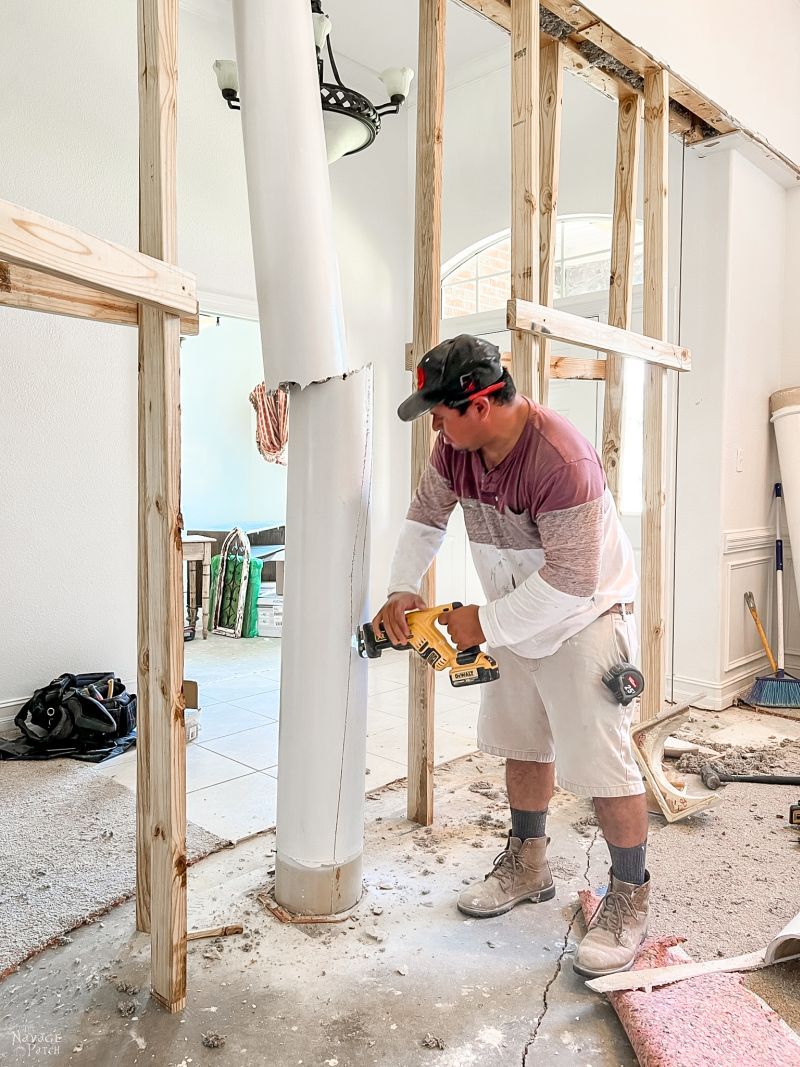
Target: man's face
(465, 432)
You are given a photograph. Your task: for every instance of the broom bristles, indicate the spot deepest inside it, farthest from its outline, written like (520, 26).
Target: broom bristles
(779, 690)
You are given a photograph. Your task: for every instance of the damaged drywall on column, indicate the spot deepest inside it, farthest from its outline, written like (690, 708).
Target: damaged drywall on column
(322, 748)
(322, 740)
(297, 272)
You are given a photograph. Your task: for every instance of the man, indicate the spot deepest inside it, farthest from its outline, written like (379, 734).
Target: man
(559, 578)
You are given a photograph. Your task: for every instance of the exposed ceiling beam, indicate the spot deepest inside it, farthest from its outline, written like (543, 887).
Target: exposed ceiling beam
(612, 64)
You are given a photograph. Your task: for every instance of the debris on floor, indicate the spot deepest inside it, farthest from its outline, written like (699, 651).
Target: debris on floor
(678, 1024)
(738, 759)
(430, 1041)
(487, 989)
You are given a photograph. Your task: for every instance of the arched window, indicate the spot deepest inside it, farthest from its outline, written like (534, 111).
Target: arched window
(479, 279)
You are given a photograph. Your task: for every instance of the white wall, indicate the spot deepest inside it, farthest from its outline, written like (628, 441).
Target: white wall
(68, 396)
(224, 478)
(790, 369)
(711, 46)
(69, 130)
(736, 288)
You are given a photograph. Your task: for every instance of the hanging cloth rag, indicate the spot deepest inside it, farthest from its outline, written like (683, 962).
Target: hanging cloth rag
(272, 422)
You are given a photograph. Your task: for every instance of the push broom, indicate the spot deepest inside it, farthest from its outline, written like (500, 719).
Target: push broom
(778, 690)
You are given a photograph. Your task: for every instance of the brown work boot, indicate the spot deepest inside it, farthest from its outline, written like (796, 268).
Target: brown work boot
(616, 929)
(520, 872)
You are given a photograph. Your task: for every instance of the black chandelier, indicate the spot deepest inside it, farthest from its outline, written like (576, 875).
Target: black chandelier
(352, 121)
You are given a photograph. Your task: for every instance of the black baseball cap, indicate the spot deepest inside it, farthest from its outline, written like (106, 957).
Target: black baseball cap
(453, 373)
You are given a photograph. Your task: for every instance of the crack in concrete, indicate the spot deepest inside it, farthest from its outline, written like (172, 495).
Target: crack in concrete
(560, 961)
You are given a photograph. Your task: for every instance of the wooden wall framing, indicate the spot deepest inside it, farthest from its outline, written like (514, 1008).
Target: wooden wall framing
(427, 314)
(52, 267)
(537, 63)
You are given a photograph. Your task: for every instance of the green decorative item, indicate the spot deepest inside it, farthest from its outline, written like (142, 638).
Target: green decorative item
(250, 621)
(233, 577)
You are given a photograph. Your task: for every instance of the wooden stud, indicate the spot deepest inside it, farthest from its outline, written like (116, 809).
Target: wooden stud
(569, 368)
(161, 768)
(31, 290)
(427, 299)
(620, 292)
(576, 330)
(28, 239)
(551, 83)
(656, 138)
(525, 185)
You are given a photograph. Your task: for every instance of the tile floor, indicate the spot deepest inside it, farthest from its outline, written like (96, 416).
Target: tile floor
(232, 768)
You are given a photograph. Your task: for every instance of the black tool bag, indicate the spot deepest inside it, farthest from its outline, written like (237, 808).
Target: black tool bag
(85, 716)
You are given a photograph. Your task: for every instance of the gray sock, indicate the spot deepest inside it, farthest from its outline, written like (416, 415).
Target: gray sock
(628, 864)
(525, 824)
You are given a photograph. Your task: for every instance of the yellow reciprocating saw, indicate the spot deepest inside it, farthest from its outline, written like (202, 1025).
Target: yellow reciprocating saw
(470, 667)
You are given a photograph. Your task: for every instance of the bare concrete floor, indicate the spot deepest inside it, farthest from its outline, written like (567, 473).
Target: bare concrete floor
(404, 968)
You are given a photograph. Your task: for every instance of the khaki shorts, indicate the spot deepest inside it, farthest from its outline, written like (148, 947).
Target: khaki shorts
(557, 708)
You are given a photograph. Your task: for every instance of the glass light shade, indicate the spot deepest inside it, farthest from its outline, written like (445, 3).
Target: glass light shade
(227, 75)
(322, 27)
(397, 80)
(342, 135)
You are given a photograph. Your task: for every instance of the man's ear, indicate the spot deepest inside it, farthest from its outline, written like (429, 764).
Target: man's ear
(483, 405)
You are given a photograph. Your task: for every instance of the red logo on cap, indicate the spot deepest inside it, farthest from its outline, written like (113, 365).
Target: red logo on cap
(420, 378)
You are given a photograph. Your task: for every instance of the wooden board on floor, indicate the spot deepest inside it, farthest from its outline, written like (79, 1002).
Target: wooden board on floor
(427, 298)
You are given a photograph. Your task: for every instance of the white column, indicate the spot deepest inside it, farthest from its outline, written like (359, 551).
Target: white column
(321, 754)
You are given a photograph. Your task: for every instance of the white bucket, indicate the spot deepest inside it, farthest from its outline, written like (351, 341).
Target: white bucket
(784, 407)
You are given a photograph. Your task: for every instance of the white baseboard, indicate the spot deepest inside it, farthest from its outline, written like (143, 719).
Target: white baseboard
(718, 695)
(8, 709)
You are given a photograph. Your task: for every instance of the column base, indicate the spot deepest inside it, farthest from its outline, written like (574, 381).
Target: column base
(317, 890)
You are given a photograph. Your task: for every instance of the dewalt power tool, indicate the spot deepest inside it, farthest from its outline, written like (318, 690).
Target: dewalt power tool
(470, 667)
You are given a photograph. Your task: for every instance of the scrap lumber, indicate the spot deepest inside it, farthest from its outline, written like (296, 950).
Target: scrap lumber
(427, 300)
(654, 977)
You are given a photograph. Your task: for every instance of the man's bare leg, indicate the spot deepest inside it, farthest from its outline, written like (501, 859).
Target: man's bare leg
(623, 820)
(530, 785)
